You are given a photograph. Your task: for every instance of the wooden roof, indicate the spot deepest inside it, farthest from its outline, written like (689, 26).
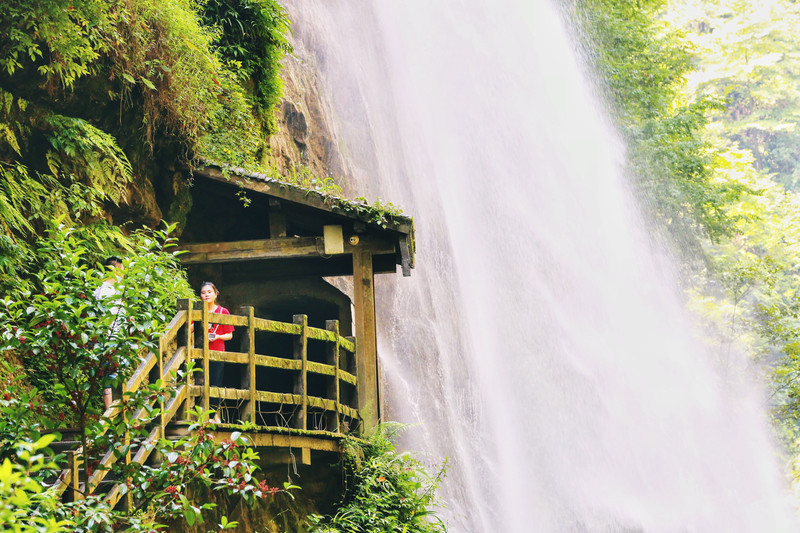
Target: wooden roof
(291, 218)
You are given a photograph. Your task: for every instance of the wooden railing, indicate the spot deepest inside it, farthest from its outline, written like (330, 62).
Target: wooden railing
(332, 411)
(292, 398)
(151, 368)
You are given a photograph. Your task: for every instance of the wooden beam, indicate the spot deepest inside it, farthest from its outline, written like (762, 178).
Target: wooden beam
(406, 257)
(264, 440)
(279, 248)
(270, 269)
(222, 252)
(367, 339)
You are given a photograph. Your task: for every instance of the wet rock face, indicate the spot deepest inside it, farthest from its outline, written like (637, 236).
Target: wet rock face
(306, 136)
(296, 123)
(140, 206)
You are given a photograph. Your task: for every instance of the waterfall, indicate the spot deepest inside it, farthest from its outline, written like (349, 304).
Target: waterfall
(540, 344)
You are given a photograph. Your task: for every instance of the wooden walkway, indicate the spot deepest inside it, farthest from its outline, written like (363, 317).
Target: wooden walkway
(302, 400)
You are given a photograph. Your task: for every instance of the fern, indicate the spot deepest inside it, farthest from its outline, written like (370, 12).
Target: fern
(90, 154)
(20, 196)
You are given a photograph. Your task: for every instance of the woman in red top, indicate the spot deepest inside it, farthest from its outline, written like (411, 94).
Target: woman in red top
(217, 333)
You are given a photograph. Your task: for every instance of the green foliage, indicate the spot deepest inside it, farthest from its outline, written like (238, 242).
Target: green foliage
(253, 34)
(748, 58)
(25, 416)
(63, 331)
(385, 491)
(641, 60)
(197, 461)
(22, 200)
(161, 492)
(75, 344)
(643, 63)
(25, 505)
(88, 155)
(304, 177)
(53, 169)
(61, 39)
(85, 82)
(706, 94)
(233, 136)
(163, 63)
(379, 213)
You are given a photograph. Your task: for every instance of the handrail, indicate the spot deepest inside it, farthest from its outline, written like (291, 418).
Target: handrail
(132, 385)
(271, 361)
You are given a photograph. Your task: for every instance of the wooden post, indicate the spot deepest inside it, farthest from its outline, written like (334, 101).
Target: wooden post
(248, 409)
(185, 304)
(277, 219)
(367, 346)
(127, 441)
(161, 421)
(206, 374)
(333, 360)
(301, 382)
(72, 457)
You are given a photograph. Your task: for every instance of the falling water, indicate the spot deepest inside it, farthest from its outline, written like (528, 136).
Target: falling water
(539, 343)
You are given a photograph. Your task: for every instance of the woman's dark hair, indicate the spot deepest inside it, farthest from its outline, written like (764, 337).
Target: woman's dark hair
(111, 260)
(216, 290)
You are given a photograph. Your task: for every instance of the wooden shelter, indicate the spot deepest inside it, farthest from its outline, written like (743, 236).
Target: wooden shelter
(268, 245)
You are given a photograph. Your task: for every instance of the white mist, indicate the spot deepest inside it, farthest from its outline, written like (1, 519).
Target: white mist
(539, 343)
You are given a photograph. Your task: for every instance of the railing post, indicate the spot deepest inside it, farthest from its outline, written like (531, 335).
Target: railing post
(72, 457)
(185, 304)
(206, 376)
(127, 441)
(161, 422)
(248, 410)
(301, 383)
(333, 360)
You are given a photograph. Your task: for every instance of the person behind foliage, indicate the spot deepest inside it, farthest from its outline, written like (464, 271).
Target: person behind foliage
(217, 333)
(107, 291)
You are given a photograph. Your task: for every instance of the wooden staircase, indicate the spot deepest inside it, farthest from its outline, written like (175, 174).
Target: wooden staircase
(70, 478)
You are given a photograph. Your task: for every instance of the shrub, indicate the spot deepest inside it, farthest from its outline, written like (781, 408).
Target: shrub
(385, 491)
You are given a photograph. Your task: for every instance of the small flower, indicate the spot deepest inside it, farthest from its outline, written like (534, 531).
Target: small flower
(6, 396)
(172, 489)
(381, 479)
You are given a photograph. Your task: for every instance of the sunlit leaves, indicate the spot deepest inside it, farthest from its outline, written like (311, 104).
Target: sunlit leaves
(61, 39)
